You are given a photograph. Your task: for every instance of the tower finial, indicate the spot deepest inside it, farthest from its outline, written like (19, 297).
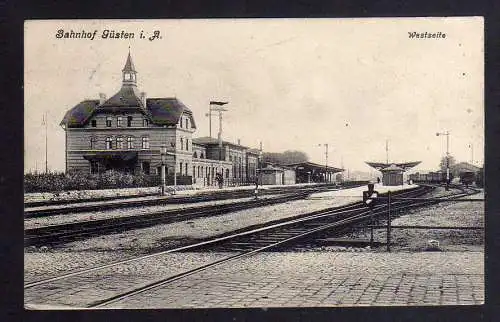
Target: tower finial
(129, 72)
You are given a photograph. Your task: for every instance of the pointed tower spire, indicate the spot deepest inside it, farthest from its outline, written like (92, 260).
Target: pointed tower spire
(129, 73)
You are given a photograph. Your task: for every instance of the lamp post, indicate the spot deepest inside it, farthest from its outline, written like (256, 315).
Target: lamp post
(326, 159)
(447, 133)
(163, 153)
(172, 144)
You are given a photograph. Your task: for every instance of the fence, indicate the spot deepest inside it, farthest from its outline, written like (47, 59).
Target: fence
(389, 199)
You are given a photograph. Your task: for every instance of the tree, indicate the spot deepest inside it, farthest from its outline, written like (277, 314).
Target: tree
(442, 163)
(286, 157)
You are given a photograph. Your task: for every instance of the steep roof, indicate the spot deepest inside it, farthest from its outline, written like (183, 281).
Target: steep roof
(161, 111)
(80, 113)
(166, 111)
(127, 96)
(129, 65)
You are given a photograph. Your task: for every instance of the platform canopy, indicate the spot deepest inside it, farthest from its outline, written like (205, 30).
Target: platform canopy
(311, 166)
(405, 166)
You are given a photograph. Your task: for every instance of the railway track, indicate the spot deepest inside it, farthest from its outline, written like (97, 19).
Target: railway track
(61, 233)
(57, 234)
(244, 244)
(100, 204)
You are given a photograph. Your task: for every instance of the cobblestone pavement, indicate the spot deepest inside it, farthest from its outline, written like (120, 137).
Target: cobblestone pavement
(327, 279)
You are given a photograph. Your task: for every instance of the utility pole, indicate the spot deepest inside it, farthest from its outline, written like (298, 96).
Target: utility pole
(387, 151)
(44, 122)
(326, 160)
(218, 107)
(447, 133)
(471, 146)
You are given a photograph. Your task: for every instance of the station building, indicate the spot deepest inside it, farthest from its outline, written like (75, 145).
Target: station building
(127, 131)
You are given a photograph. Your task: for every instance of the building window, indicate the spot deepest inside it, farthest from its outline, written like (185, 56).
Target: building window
(109, 143)
(146, 167)
(145, 142)
(180, 122)
(108, 121)
(130, 142)
(94, 167)
(199, 174)
(119, 143)
(145, 123)
(186, 167)
(92, 143)
(180, 168)
(201, 155)
(187, 122)
(195, 155)
(129, 121)
(182, 143)
(187, 144)
(227, 173)
(119, 121)
(94, 123)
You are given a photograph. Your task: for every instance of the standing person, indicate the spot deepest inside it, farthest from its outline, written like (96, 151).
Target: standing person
(219, 180)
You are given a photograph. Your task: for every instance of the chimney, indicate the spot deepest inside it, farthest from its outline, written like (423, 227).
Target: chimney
(239, 142)
(143, 98)
(102, 98)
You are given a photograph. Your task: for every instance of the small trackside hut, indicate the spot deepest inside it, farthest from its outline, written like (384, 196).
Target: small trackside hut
(392, 173)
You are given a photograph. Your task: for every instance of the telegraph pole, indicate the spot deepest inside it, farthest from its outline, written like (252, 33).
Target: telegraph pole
(447, 133)
(387, 151)
(326, 160)
(44, 122)
(471, 146)
(218, 107)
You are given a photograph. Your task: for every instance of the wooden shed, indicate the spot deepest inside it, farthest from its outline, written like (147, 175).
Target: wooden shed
(392, 175)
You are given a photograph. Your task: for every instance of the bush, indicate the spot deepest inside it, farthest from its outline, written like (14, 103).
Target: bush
(80, 180)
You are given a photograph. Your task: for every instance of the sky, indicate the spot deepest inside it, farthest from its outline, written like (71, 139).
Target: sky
(294, 84)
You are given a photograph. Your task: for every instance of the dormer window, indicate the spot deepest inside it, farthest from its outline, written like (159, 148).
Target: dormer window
(119, 121)
(187, 122)
(129, 121)
(94, 123)
(108, 121)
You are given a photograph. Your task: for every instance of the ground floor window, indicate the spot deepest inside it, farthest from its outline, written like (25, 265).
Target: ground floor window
(94, 167)
(186, 167)
(146, 167)
(109, 143)
(145, 142)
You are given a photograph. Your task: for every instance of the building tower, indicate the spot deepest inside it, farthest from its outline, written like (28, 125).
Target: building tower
(129, 73)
